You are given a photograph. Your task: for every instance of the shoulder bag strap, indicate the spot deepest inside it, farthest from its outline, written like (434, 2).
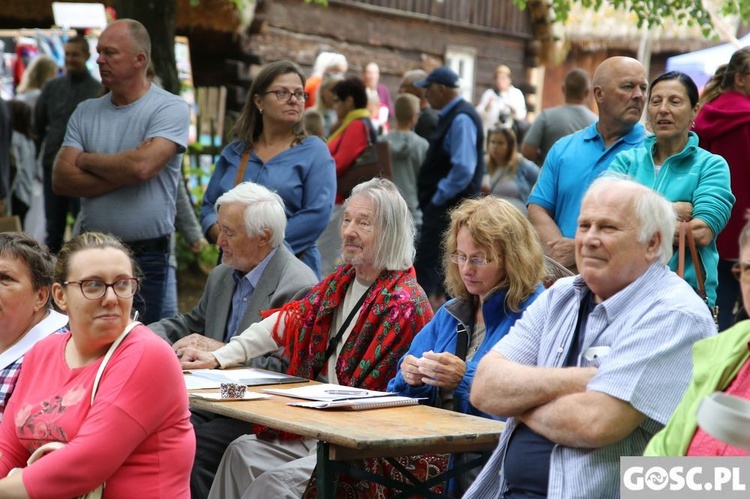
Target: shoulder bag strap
(685, 232)
(243, 166)
(681, 249)
(462, 341)
(335, 340)
(696, 260)
(109, 353)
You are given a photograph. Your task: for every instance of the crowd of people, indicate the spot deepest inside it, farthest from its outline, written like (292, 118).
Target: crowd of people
(437, 284)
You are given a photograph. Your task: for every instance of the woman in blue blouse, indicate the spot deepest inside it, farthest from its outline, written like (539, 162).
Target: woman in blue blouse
(277, 153)
(493, 264)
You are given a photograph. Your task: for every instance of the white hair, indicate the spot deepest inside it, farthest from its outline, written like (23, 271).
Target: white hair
(264, 210)
(652, 210)
(393, 223)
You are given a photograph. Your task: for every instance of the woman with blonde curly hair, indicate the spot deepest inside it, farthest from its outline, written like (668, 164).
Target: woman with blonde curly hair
(493, 264)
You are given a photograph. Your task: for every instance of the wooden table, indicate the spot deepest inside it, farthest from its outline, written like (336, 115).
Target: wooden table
(349, 435)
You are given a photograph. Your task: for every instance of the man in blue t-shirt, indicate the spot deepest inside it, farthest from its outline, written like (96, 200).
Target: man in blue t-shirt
(576, 160)
(122, 155)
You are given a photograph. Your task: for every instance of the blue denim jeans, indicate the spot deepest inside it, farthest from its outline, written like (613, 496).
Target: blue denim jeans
(150, 299)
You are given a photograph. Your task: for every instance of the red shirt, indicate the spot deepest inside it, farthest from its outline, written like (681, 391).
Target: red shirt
(136, 436)
(704, 444)
(347, 146)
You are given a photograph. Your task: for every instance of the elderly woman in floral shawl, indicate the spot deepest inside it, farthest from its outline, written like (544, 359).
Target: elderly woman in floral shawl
(351, 329)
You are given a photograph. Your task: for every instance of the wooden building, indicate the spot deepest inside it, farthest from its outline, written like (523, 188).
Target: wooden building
(473, 36)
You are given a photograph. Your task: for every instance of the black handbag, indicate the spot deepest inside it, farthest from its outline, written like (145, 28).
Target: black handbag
(374, 161)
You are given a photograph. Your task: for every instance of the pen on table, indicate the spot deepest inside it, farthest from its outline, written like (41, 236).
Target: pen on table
(345, 392)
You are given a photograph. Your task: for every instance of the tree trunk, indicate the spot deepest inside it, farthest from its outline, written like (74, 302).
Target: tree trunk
(159, 18)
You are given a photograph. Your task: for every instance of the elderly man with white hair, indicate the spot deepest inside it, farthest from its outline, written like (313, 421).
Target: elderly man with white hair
(257, 273)
(598, 363)
(351, 329)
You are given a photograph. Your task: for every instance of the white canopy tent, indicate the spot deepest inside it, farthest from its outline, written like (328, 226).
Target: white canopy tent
(701, 64)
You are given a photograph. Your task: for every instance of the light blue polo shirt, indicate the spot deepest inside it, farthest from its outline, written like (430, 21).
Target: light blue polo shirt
(571, 166)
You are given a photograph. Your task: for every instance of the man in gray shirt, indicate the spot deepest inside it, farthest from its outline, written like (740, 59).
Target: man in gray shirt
(122, 154)
(56, 104)
(559, 121)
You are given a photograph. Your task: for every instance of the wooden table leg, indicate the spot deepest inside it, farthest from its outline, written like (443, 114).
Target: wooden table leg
(326, 487)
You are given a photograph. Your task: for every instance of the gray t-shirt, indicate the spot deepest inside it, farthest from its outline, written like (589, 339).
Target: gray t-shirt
(555, 123)
(147, 209)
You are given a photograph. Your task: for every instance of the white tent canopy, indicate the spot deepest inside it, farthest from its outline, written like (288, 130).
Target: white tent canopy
(701, 64)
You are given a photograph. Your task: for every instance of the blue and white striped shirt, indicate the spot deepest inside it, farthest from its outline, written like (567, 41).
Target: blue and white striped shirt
(649, 327)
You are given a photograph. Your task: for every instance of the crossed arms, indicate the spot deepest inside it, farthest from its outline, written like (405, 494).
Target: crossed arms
(84, 174)
(553, 402)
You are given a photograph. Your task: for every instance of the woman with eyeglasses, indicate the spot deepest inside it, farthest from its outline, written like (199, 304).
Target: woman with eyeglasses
(349, 139)
(494, 264)
(136, 435)
(272, 148)
(511, 176)
(720, 364)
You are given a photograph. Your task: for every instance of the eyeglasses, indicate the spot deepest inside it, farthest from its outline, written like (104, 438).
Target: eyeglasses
(741, 271)
(285, 95)
(474, 260)
(93, 289)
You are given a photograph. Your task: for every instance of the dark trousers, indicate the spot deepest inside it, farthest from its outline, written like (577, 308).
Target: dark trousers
(213, 434)
(149, 300)
(56, 209)
(429, 260)
(727, 294)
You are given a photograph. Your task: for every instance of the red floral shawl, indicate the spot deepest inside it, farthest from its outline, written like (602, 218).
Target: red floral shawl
(394, 311)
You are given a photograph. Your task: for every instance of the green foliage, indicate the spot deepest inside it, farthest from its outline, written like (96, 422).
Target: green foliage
(652, 12)
(209, 254)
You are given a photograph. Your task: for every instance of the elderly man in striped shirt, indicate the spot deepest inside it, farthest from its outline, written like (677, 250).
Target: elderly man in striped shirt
(598, 363)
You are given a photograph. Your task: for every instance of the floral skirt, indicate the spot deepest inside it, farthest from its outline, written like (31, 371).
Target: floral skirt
(423, 467)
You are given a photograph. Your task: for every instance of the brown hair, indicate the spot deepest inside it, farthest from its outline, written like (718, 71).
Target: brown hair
(511, 157)
(250, 123)
(37, 257)
(723, 79)
(85, 241)
(507, 235)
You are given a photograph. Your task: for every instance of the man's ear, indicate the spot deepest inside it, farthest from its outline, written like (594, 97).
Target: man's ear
(653, 245)
(597, 90)
(265, 238)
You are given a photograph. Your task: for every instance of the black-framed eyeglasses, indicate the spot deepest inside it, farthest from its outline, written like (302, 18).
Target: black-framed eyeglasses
(284, 95)
(474, 260)
(93, 289)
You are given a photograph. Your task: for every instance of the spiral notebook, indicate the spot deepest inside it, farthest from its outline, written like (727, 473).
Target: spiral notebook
(359, 404)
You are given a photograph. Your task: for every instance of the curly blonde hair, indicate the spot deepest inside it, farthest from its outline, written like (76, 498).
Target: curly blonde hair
(507, 236)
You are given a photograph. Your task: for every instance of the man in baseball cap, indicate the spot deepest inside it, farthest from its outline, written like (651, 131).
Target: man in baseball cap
(441, 76)
(451, 172)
